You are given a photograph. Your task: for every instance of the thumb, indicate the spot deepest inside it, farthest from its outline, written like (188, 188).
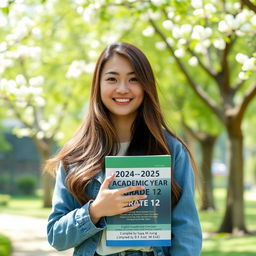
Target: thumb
(107, 181)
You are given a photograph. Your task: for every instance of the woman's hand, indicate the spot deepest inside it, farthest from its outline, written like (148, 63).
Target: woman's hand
(111, 202)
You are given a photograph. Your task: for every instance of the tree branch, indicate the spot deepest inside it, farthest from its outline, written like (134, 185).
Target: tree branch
(199, 91)
(238, 85)
(208, 70)
(223, 77)
(249, 95)
(249, 4)
(16, 112)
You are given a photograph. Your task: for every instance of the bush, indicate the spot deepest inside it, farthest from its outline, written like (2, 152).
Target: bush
(26, 184)
(4, 199)
(5, 180)
(5, 246)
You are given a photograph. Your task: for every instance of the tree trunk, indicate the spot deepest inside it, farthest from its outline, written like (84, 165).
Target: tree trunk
(207, 198)
(47, 182)
(233, 221)
(44, 148)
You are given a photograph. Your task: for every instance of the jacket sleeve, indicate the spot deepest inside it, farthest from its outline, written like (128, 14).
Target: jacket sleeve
(186, 230)
(68, 224)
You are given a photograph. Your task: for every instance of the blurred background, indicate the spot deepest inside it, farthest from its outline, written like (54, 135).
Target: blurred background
(204, 57)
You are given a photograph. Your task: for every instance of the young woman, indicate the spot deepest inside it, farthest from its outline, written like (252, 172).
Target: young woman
(124, 118)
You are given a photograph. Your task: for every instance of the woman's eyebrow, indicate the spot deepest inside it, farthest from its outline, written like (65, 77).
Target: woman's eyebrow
(116, 73)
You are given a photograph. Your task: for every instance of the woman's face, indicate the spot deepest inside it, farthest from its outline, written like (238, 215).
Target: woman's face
(120, 90)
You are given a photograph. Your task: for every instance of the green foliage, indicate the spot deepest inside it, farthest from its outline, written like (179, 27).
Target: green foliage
(5, 180)
(5, 246)
(4, 199)
(26, 184)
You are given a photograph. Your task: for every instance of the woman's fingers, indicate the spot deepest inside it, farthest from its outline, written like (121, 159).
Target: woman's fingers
(129, 208)
(128, 199)
(107, 181)
(125, 190)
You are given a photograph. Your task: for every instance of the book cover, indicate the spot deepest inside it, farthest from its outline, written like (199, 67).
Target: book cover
(150, 223)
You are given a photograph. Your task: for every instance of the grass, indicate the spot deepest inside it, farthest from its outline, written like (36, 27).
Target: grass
(26, 206)
(213, 245)
(5, 246)
(224, 244)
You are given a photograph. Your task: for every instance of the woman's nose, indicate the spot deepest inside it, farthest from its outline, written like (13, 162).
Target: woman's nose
(122, 87)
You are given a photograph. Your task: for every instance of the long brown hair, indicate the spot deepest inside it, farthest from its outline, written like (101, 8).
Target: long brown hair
(83, 156)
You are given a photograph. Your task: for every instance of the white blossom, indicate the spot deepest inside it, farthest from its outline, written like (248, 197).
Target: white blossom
(94, 44)
(158, 2)
(59, 136)
(199, 12)
(200, 32)
(171, 13)
(92, 54)
(229, 24)
(39, 101)
(249, 65)
(36, 33)
(176, 32)
(79, 2)
(76, 68)
(185, 29)
(169, 40)
(253, 20)
(3, 47)
(160, 45)
(177, 18)
(21, 104)
(89, 68)
(90, 15)
(45, 126)
(182, 41)
(219, 44)
(242, 16)
(23, 132)
(20, 80)
(24, 51)
(4, 3)
(210, 8)
(154, 15)
(29, 111)
(52, 120)
(3, 20)
(193, 61)
(200, 48)
(149, 31)
(167, 24)
(36, 81)
(40, 135)
(197, 4)
(179, 53)
(243, 76)
(241, 58)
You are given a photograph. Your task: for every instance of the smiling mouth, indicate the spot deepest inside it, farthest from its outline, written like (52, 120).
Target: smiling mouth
(122, 100)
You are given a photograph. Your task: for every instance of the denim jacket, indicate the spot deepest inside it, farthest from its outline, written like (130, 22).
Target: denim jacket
(70, 225)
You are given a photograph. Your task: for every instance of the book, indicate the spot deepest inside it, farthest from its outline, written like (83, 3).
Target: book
(150, 223)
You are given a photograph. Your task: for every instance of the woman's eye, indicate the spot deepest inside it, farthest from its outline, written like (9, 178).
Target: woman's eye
(134, 79)
(111, 79)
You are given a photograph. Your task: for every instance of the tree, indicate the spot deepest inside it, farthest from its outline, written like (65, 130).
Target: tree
(46, 66)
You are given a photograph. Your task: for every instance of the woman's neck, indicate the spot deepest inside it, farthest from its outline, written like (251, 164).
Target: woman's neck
(123, 128)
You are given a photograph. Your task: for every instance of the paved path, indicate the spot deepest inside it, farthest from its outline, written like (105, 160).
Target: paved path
(28, 236)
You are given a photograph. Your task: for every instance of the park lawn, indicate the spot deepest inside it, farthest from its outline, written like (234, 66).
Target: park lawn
(26, 206)
(223, 244)
(213, 244)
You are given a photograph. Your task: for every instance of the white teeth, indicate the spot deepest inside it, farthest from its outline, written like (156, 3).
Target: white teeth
(122, 100)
